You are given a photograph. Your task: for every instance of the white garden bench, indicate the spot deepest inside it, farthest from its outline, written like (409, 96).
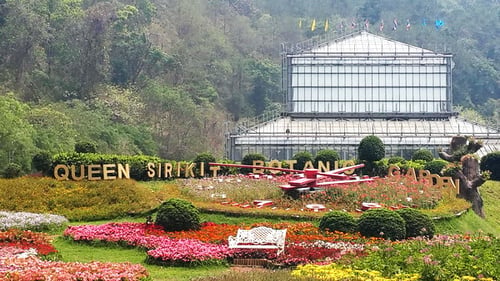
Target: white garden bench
(259, 238)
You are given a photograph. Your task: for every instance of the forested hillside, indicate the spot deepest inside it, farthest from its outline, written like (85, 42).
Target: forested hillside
(169, 77)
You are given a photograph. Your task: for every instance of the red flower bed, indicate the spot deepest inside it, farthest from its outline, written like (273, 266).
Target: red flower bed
(26, 239)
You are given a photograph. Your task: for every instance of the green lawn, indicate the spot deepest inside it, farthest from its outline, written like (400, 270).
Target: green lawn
(470, 222)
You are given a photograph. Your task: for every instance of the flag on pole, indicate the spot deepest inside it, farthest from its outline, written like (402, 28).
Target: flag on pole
(439, 24)
(381, 27)
(353, 24)
(367, 24)
(326, 25)
(395, 22)
(408, 25)
(313, 25)
(300, 23)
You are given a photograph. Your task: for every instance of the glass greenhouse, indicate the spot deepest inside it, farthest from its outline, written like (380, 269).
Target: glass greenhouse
(342, 90)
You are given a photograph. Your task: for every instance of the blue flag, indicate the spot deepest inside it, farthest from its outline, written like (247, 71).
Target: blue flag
(439, 24)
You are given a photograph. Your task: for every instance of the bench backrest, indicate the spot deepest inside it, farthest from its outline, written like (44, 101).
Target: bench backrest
(261, 235)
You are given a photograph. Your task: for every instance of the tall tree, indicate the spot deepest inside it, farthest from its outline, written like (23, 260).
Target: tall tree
(16, 134)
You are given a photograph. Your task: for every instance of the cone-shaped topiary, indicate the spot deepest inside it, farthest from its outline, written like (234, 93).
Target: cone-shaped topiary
(382, 223)
(177, 214)
(338, 221)
(417, 223)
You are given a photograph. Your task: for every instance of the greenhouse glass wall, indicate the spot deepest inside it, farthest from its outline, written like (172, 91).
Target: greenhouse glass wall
(342, 90)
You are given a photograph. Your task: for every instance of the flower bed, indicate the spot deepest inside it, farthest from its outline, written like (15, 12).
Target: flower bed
(27, 240)
(440, 258)
(23, 257)
(15, 266)
(209, 244)
(393, 191)
(161, 248)
(31, 221)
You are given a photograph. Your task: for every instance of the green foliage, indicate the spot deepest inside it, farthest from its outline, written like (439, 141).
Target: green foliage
(227, 170)
(302, 157)
(338, 221)
(177, 215)
(435, 166)
(248, 160)
(417, 223)
(205, 158)
(491, 162)
(417, 165)
(422, 154)
(396, 160)
(85, 147)
(326, 155)
(137, 163)
(378, 168)
(371, 148)
(12, 170)
(16, 134)
(42, 161)
(444, 258)
(382, 223)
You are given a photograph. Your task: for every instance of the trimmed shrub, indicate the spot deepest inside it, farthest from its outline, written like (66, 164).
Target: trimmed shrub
(338, 221)
(325, 156)
(178, 214)
(491, 162)
(248, 160)
(12, 170)
(371, 148)
(435, 166)
(417, 223)
(382, 223)
(206, 158)
(85, 147)
(42, 162)
(422, 154)
(137, 163)
(378, 168)
(396, 160)
(301, 158)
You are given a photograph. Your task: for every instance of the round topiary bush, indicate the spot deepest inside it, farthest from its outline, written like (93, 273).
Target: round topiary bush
(417, 223)
(206, 158)
(491, 162)
(435, 166)
(371, 148)
(177, 214)
(382, 223)
(326, 156)
(85, 147)
(422, 154)
(338, 221)
(301, 158)
(248, 160)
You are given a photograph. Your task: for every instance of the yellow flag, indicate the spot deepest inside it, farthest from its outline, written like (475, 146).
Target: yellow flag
(326, 25)
(313, 25)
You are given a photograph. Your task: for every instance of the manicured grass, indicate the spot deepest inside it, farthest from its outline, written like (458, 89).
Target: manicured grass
(470, 222)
